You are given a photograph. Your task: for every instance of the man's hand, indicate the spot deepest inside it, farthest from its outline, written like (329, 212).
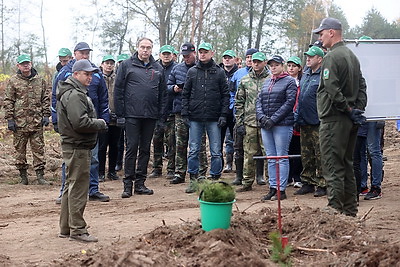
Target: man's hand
(12, 126)
(356, 116)
(45, 121)
(121, 122)
(177, 89)
(221, 122)
(241, 130)
(55, 126)
(186, 121)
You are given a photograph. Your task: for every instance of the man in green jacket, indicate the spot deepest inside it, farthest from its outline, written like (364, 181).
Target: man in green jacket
(341, 99)
(246, 123)
(78, 126)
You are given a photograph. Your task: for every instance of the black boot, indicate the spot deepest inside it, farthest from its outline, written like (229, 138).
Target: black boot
(229, 160)
(260, 172)
(271, 193)
(192, 183)
(141, 189)
(23, 173)
(128, 184)
(239, 172)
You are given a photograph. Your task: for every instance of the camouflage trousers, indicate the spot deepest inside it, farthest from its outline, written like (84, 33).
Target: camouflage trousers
(163, 136)
(182, 140)
(252, 146)
(311, 156)
(36, 141)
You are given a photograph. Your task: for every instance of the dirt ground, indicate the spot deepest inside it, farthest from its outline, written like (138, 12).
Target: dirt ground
(164, 229)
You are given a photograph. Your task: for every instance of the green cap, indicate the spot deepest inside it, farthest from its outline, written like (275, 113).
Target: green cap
(122, 57)
(295, 60)
(230, 53)
(314, 50)
(23, 58)
(63, 52)
(176, 52)
(107, 57)
(365, 37)
(259, 56)
(205, 46)
(166, 48)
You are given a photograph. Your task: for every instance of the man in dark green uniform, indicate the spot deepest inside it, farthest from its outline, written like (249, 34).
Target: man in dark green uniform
(341, 99)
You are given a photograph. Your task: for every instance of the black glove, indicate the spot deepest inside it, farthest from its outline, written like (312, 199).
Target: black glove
(380, 124)
(221, 122)
(121, 122)
(45, 121)
(55, 126)
(12, 126)
(113, 117)
(356, 116)
(186, 121)
(241, 130)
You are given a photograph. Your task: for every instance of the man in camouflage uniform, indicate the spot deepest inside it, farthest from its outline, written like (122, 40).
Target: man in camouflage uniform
(306, 117)
(27, 110)
(174, 86)
(245, 104)
(341, 99)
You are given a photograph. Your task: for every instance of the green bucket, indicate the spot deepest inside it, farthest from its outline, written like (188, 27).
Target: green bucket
(215, 215)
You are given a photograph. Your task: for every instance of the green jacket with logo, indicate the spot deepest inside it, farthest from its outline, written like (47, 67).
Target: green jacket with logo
(342, 85)
(246, 96)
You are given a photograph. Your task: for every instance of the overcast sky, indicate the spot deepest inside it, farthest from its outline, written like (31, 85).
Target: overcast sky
(58, 15)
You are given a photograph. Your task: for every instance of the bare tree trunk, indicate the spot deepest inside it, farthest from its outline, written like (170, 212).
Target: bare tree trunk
(201, 17)
(193, 32)
(261, 21)
(3, 62)
(46, 66)
(251, 16)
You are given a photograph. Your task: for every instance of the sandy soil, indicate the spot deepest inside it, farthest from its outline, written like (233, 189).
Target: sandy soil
(164, 229)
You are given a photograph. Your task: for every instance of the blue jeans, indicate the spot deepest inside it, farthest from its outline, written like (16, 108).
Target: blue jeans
(374, 149)
(276, 143)
(94, 173)
(196, 130)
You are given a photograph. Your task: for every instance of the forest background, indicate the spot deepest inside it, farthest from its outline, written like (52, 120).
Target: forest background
(113, 27)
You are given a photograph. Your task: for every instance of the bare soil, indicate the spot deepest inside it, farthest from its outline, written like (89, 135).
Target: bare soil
(164, 229)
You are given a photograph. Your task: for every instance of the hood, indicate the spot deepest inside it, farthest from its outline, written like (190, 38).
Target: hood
(69, 84)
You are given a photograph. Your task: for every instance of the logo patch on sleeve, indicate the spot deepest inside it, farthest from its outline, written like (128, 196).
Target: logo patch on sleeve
(326, 74)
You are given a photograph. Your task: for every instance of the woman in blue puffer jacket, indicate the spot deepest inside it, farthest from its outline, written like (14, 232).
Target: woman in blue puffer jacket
(274, 108)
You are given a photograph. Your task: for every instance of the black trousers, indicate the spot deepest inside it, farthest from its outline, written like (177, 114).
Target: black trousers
(109, 139)
(139, 133)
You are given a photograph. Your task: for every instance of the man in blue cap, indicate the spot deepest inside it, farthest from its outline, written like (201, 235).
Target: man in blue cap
(98, 93)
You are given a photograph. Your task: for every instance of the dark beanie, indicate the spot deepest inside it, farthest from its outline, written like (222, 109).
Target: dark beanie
(251, 51)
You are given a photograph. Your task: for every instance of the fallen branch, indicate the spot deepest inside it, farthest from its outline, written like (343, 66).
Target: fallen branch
(4, 225)
(313, 249)
(363, 218)
(251, 205)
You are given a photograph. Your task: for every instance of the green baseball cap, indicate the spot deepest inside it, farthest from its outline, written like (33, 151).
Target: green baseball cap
(205, 46)
(23, 58)
(295, 60)
(122, 57)
(166, 48)
(314, 50)
(230, 53)
(107, 57)
(365, 37)
(259, 56)
(63, 52)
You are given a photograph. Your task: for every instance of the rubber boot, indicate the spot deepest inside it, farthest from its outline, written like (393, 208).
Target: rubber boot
(260, 172)
(24, 176)
(239, 172)
(229, 160)
(141, 189)
(40, 177)
(194, 178)
(128, 185)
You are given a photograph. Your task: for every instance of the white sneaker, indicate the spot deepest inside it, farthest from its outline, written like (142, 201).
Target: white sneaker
(297, 185)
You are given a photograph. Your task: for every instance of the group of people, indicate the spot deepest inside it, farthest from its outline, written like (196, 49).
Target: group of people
(269, 107)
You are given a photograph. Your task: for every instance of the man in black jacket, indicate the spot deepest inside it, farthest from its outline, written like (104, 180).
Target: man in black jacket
(138, 95)
(205, 104)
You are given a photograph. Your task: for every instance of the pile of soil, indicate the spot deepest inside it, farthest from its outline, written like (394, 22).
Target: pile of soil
(316, 239)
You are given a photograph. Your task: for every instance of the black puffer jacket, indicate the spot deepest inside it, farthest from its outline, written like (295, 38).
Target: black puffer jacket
(205, 95)
(139, 89)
